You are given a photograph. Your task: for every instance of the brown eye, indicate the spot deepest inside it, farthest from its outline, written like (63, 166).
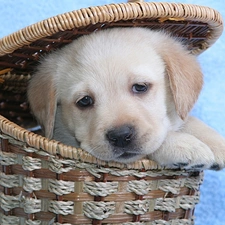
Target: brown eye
(84, 102)
(140, 88)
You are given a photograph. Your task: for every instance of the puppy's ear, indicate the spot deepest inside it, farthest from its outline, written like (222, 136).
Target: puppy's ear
(42, 98)
(185, 77)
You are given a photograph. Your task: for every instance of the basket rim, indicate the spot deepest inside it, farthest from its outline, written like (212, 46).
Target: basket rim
(30, 141)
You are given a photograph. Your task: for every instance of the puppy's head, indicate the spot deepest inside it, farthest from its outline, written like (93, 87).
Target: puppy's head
(120, 91)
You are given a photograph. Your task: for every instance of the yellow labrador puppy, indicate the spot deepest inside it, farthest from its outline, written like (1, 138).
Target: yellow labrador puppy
(125, 93)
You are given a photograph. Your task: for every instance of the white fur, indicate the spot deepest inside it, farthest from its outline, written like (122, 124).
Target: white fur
(105, 65)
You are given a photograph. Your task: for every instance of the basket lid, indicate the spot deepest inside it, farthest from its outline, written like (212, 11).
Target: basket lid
(198, 27)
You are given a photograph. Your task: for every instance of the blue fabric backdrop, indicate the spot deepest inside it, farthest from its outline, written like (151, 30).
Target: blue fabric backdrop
(209, 108)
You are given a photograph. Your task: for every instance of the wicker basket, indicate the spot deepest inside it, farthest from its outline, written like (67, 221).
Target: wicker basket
(44, 182)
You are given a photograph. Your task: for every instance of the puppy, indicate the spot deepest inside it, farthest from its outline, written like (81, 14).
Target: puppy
(125, 93)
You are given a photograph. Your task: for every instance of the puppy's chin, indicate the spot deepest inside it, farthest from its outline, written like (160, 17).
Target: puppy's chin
(108, 153)
(128, 157)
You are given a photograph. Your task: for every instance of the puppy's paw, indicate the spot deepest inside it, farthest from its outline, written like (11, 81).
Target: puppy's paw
(208, 136)
(217, 145)
(219, 154)
(181, 150)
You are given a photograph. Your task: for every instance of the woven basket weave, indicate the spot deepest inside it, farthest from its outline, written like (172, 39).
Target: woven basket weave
(44, 182)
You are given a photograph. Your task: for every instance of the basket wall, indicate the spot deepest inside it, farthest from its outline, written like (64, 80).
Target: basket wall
(39, 188)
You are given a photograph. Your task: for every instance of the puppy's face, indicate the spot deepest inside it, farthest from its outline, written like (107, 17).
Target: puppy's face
(119, 91)
(114, 102)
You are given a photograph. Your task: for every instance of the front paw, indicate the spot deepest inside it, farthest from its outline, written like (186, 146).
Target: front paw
(208, 136)
(182, 150)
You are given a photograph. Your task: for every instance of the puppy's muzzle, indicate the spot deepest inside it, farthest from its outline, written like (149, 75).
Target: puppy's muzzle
(120, 137)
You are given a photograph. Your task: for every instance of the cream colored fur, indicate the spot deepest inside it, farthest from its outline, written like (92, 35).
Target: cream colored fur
(106, 66)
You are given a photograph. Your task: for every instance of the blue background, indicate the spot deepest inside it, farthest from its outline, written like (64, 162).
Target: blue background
(209, 108)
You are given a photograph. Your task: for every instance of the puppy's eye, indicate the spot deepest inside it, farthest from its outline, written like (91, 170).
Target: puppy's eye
(140, 88)
(86, 101)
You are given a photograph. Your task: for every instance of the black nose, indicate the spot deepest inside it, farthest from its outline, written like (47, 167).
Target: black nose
(120, 136)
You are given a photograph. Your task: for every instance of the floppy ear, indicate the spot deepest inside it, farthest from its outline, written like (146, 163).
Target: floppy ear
(42, 98)
(185, 77)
